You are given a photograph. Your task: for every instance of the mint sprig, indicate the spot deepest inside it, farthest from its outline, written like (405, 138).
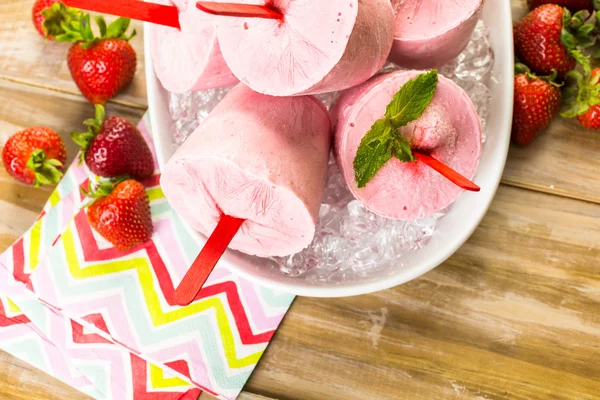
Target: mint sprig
(383, 141)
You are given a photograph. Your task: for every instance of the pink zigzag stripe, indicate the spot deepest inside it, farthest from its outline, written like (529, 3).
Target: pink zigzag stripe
(104, 352)
(164, 235)
(57, 362)
(109, 303)
(46, 292)
(267, 322)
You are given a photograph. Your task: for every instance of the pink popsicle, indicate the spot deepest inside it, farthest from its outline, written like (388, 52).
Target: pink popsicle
(449, 130)
(258, 158)
(430, 33)
(189, 58)
(319, 46)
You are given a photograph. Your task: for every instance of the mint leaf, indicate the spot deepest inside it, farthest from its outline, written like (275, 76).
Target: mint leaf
(401, 148)
(375, 149)
(384, 141)
(412, 99)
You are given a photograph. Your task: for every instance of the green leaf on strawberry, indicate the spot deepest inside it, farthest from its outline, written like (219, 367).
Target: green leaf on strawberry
(79, 30)
(47, 171)
(582, 93)
(84, 139)
(56, 16)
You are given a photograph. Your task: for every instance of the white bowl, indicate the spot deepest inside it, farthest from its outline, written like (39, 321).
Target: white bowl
(452, 231)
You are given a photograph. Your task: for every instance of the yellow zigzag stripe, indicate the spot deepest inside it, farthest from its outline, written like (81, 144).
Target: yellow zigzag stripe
(158, 380)
(155, 193)
(12, 307)
(158, 316)
(54, 198)
(35, 238)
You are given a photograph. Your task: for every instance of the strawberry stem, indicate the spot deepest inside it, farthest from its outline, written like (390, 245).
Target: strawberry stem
(238, 10)
(85, 139)
(447, 172)
(47, 170)
(206, 261)
(135, 9)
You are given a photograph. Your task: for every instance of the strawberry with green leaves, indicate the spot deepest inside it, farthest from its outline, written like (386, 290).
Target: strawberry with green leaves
(120, 213)
(536, 102)
(35, 156)
(101, 66)
(49, 16)
(113, 147)
(550, 39)
(583, 98)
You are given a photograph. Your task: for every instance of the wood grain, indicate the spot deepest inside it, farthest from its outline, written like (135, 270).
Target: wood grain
(512, 315)
(20, 381)
(30, 59)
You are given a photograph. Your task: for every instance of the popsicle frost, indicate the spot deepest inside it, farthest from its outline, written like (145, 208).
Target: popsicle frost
(319, 46)
(189, 59)
(259, 158)
(430, 33)
(449, 130)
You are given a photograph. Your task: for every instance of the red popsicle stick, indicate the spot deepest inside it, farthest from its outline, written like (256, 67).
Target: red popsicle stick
(238, 10)
(447, 172)
(206, 261)
(134, 9)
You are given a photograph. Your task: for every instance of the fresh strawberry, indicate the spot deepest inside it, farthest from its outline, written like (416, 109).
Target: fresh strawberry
(537, 101)
(121, 213)
(573, 5)
(585, 101)
(35, 156)
(48, 15)
(114, 147)
(100, 66)
(550, 39)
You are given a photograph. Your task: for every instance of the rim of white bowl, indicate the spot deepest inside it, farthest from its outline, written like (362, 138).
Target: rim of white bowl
(504, 66)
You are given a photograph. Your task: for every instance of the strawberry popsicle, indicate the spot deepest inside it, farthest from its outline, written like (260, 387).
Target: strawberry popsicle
(317, 46)
(449, 130)
(189, 58)
(258, 158)
(430, 33)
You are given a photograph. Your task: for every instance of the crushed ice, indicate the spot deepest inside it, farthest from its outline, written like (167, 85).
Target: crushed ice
(351, 241)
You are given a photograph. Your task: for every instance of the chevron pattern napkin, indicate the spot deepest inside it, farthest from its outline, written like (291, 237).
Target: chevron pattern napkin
(104, 322)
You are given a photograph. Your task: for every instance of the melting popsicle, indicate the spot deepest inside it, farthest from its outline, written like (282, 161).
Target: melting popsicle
(260, 160)
(317, 46)
(189, 59)
(431, 33)
(446, 141)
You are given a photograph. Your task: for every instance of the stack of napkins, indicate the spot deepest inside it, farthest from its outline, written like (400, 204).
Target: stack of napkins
(104, 321)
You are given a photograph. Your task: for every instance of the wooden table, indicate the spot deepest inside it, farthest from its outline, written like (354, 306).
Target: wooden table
(514, 314)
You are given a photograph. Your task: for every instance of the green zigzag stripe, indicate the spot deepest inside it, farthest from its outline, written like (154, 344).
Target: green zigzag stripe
(145, 331)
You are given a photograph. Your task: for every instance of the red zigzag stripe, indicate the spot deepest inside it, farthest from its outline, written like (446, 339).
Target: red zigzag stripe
(10, 321)
(94, 254)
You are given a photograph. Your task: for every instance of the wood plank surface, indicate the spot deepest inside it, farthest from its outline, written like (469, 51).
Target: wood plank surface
(512, 315)
(20, 381)
(28, 58)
